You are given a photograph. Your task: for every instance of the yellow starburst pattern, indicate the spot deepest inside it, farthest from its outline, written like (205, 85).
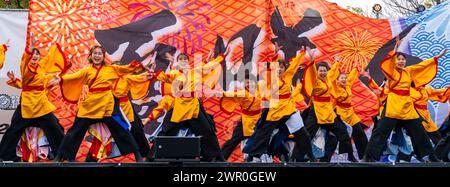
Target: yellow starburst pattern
(355, 49)
(74, 20)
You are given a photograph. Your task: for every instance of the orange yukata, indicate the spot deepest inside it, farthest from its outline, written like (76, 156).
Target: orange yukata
(420, 98)
(99, 101)
(186, 106)
(320, 93)
(283, 104)
(399, 104)
(250, 108)
(138, 87)
(343, 96)
(34, 101)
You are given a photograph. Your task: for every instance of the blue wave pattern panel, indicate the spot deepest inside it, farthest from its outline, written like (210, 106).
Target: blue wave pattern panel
(431, 37)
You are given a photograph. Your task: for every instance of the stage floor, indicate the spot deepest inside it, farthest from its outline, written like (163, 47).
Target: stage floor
(223, 165)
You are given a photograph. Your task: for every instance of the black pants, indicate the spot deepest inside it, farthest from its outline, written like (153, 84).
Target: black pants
(137, 130)
(72, 140)
(201, 126)
(435, 137)
(414, 128)
(262, 135)
(443, 147)
(359, 138)
(231, 144)
(48, 123)
(337, 128)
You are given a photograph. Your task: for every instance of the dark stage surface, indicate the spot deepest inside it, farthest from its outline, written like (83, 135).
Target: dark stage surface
(224, 165)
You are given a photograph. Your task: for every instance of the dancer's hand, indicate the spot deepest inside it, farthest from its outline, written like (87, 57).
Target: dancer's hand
(169, 57)
(227, 51)
(441, 54)
(210, 55)
(277, 47)
(32, 42)
(11, 76)
(397, 44)
(55, 81)
(7, 43)
(365, 73)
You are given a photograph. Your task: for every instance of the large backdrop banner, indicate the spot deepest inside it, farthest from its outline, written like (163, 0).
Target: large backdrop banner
(130, 29)
(14, 28)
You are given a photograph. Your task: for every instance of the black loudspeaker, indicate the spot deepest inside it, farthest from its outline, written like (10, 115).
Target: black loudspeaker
(172, 148)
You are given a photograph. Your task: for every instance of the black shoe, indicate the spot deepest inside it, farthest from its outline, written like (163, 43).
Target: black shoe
(433, 158)
(351, 158)
(138, 157)
(58, 158)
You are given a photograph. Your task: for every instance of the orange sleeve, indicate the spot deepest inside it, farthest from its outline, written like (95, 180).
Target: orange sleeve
(423, 72)
(294, 64)
(17, 83)
(72, 85)
(139, 85)
(55, 61)
(388, 66)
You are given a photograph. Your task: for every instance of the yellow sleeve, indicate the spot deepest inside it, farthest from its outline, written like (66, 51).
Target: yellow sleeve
(26, 57)
(72, 85)
(294, 64)
(388, 67)
(310, 76)
(55, 61)
(334, 72)
(165, 105)
(436, 94)
(212, 64)
(423, 72)
(3, 49)
(351, 78)
(297, 94)
(139, 86)
(167, 77)
(17, 83)
(132, 67)
(332, 77)
(415, 94)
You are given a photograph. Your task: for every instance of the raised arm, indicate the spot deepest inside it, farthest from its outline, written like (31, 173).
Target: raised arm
(294, 64)
(388, 66)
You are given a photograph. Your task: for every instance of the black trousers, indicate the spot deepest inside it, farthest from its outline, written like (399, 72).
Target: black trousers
(48, 123)
(72, 140)
(435, 137)
(443, 147)
(359, 138)
(137, 130)
(414, 128)
(236, 138)
(201, 126)
(337, 128)
(262, 136)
